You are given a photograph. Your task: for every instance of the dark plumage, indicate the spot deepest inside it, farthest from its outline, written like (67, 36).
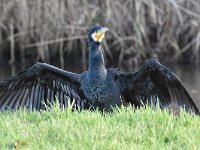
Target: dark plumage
(97, 87)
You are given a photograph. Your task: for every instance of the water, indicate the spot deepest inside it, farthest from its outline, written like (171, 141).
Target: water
(189, 76)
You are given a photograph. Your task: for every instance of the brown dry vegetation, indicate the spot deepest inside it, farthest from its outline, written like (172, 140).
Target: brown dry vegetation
(139, 29)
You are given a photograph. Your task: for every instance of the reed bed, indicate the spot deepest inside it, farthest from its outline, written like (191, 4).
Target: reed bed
(139, 29)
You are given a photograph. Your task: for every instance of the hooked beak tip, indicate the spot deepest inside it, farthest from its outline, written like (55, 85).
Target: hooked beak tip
(105, 29)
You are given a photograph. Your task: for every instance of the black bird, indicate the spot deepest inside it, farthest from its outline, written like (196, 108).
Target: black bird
(98, 87)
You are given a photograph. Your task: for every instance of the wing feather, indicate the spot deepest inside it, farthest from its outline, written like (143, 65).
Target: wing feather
(155, 83)
(42, 105)
(40, 84)
(39, 97)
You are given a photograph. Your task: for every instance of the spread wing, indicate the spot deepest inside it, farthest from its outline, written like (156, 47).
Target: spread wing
(155, 84)
(41, 84)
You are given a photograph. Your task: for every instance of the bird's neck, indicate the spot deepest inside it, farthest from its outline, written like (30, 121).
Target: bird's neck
(96, 62)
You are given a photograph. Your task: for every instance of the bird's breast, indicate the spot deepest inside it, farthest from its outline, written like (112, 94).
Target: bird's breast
(102, 92)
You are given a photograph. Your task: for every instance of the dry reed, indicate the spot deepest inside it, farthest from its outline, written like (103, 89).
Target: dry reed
(139, 29)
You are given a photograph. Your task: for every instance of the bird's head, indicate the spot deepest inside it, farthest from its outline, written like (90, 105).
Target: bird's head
(97, 33)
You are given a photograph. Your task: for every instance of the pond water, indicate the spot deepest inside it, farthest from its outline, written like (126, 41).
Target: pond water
(188, 74)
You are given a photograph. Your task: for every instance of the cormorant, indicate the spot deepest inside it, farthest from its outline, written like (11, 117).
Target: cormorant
(98, 87)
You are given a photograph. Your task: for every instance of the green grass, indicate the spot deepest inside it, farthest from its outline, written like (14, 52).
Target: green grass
(122, 129)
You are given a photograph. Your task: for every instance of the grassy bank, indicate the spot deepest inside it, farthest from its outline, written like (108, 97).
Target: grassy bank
(139, 29)
(122, 129)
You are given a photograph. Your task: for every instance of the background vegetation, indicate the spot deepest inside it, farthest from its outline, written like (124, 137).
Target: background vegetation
(122, 129)
(55, 30)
